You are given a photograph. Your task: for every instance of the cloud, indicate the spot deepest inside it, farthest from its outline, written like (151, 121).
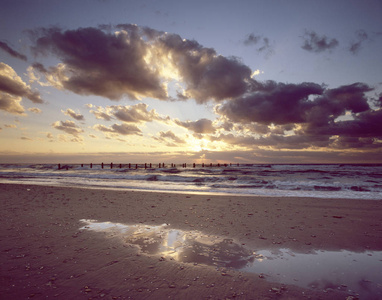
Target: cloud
(5, 47)
(169, 138)
(137, 113)
(278, 103)
(71, 113)
(199, 126)
(98, 63)
(136, 62)
(11, 104)
(304, 116)
(206, 74)
(10, 126)
(25, 138)
(101, 113)
(315, 43)
(13, 89)
(68, 126)
(119, 129)
(355, 46)
(35, 110)
(261, 43)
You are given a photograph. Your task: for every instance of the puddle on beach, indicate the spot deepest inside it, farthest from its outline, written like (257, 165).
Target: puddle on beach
(181, 246)
(353, 272)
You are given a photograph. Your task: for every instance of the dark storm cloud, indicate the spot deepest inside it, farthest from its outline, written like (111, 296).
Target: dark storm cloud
(128, 63)
(206, 74)
(5, 47)
(315, 43)
(278, 103)
(99, 63)
(199, 126)
(312, 112)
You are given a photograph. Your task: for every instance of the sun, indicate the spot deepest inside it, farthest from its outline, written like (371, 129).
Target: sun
(198, 145)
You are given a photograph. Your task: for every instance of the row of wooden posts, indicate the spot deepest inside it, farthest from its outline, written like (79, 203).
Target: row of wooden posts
(146, 165)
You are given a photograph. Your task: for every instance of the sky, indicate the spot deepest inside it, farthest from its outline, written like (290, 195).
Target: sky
(273, 81)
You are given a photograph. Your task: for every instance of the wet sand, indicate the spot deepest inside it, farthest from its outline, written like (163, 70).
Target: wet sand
(45, 253)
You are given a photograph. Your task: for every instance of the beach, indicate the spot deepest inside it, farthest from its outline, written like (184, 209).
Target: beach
(46, 252)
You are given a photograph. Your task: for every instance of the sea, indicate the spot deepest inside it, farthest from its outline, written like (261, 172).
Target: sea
(346, 181)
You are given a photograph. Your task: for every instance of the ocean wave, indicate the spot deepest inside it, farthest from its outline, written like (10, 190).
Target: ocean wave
(350, 181)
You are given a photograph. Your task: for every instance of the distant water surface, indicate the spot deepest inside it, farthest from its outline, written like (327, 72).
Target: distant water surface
(349, 181)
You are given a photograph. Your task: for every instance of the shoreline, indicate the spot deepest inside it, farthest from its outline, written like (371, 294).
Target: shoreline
(44, 252)
(323, 195)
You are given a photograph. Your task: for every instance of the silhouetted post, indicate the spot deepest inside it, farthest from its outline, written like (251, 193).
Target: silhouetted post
(203, 165)
(237, 164)
(150, 165)
(82, 165)
(91, 165)
(102, 165)
(111, 165)
(129, 166)
(194, 165)
(59, 166)
(218, 165)
(136, 166)
(145, 166)
(120, 166)
(211, 165)
(163, 165)
(159, 165)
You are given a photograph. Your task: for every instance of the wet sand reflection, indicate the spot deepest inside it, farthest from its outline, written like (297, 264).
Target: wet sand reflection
(182, 246)
(356, 273)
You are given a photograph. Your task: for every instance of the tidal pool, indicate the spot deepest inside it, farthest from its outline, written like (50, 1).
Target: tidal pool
(354, 272)
(182, 246)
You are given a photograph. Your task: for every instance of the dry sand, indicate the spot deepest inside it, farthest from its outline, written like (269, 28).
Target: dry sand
(44, 254)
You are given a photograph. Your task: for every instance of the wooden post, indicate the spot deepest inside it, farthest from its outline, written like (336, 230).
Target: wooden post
(102, 165)
(150, 165)
(111, 165)
(194, 165)
(145, 165)
(82, 165)
(120, 166)
(59, 166)
(129, 166)
(136, 166)
(211, 165)
(91, 165)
